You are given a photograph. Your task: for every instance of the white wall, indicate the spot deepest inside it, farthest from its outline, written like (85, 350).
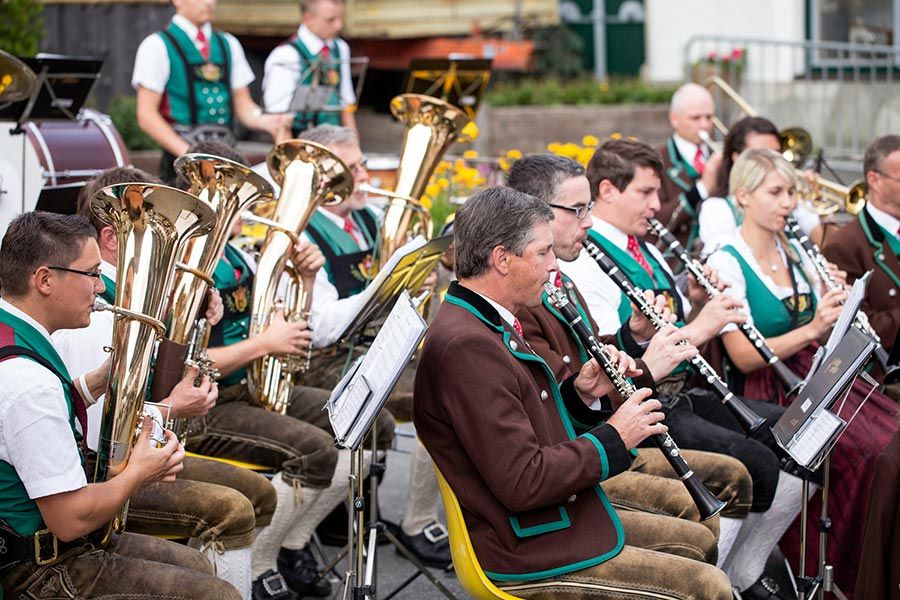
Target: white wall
(671, 23)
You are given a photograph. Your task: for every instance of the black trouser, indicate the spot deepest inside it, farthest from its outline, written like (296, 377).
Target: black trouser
(698, 420)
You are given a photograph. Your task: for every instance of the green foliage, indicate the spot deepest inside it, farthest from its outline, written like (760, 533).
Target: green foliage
(551, 91)
(123, 111)
(21, 26)
(558, 52)
(441, 208)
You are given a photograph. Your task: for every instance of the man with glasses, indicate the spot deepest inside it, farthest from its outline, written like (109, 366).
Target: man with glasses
(872, 241)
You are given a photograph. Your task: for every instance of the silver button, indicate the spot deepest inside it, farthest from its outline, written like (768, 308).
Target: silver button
(571, 499)
(513, 345)
(567, 359)
(212, 111)
(880, 256)
(544, 395)
(892, 292)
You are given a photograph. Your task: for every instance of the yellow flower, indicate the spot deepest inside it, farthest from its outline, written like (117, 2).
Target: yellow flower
(442, 167)
(584, 156)
(604, 86)
(443, 183)
(426, 202)
(569, 150)
(554, 147)
(459, 165)
(590, 140)
(514, 154)
(433, 189)
(632, 138)
(470, 154)
(470, 131)
(504, 164)
(616, 136)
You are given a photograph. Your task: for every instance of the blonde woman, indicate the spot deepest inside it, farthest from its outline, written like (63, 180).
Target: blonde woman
(787, 303)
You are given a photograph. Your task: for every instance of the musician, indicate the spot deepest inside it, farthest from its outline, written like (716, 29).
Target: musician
(872, 241)
(785, 300)
(689, 166)
(540, 524)
(49, 274)
(217, 504)
(315, 55)
(346, 234)
(624, 177)
(720, 214)
(192, 83)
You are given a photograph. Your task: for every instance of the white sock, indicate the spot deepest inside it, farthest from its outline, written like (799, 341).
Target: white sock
(305, 523)
(234, 567)
(761, 533)
(421, 503)
(728, 532)
(291, 500)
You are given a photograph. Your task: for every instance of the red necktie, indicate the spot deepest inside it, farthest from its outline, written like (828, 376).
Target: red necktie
(80, 410)
(635, 250)
(698, 161)
(350, 229)
(325, 54)
(204, 45)
(518, 327)
(557, 281)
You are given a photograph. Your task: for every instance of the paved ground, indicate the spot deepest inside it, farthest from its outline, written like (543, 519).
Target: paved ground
(393, 569)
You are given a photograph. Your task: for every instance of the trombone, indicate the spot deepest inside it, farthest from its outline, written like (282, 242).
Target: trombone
(823, 196)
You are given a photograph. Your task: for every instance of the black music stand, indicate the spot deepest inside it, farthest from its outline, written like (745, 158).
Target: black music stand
(808, 432)
(460, 82)
(313, 97)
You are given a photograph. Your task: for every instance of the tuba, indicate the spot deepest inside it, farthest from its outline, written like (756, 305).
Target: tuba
(152, 223)
(17, 80)
(310, 176)
(432, 125)
(229, 188)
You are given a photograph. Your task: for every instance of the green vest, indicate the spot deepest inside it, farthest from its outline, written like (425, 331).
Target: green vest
(328, 73)
(681, 166)
(236, 297)
(346, 265)
(16, 508)
(869, 224)
(773, 316)
(198, 91)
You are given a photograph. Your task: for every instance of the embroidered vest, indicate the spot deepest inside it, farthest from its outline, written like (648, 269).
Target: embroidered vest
(347, 266)
(326, 73)
(236, 291)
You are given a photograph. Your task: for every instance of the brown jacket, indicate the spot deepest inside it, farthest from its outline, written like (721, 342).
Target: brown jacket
(501, 431)
(859, 247)
(678, 194)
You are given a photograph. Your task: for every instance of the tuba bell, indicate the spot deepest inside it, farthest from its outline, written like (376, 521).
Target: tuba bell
(310, 176)
(229, 188)
(432, 125)
(152, 223)
(17, 80)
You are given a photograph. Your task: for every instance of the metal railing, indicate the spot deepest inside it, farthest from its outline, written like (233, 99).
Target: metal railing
(844, 94)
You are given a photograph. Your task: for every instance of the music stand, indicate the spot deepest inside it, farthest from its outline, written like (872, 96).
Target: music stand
(62, 86)
(461, 82)
(808, 432)
(313, 97)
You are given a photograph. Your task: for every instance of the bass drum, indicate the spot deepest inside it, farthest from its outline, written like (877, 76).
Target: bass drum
(70, 153)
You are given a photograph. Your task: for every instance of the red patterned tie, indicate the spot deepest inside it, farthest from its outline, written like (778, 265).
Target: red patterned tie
(80, 410)
(557, 281)
(698, 161)
(325, 54)
(204, 44)
(518, 327)
(635, 250)
(350, 229)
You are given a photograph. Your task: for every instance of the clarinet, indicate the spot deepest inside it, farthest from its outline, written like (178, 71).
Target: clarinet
(707, 504)
(820, 263)
(747, 419)
(693, 266)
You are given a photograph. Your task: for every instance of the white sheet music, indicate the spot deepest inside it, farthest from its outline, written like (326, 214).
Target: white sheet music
(359, 397)
(808, 444)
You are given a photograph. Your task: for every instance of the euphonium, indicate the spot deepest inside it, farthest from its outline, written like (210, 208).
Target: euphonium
(310, 176)
(152, 223)
(17, 80)
(432, 125)
(229, 188)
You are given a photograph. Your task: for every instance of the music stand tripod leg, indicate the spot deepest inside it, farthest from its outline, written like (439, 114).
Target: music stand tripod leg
(826, 571)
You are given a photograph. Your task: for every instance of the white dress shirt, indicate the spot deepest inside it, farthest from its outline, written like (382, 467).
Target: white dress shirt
(688, 150)
(600, 293)
(283, 72)
(886, 221)
(35, 435)
(151, 63)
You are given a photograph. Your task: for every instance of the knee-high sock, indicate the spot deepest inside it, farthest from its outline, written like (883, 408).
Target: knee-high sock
(421, 504)
(728, 532)
(761, 532)
(305, 523)
(269, 540)
(234, 567)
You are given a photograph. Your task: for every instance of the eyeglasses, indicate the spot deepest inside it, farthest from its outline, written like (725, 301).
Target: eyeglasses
(886, 176)
(94, 274)
(581, 211)
(361, 165)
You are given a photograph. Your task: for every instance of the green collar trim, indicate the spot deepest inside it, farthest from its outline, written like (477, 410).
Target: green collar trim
(879, 255)
(109, 293)
(679, 167)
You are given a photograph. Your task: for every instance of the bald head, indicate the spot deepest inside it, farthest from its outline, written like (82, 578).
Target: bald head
(691, 111)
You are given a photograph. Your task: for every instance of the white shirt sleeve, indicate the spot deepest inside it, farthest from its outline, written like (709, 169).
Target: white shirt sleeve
(151, 65)
(600, 293)
(282, 74)
(729, 270)
(347, 93)
(35, 435)
(717, 224)
(241, 73)
(806, 218)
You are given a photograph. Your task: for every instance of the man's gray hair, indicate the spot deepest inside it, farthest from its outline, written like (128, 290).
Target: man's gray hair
(497, 216)
(540, 175)
(878, 150)
(330, 135)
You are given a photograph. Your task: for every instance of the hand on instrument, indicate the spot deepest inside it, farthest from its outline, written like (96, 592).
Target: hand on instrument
(638, 418)
(717, 313)
(275, 124)
(710, 171)
(429, 284)
(188, 400)
(215, 308)
(286, 337)
(307, 260)
(827, 312)
(152, 464)
(665, 353)
(837, 274)
(592, 382)
(641, 328)
(696, 293)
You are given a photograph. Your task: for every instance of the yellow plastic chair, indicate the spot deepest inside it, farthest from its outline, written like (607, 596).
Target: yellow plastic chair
(465, 563)
(235, 463)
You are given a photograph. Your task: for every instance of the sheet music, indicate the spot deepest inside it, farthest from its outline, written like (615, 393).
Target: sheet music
(359, 397)
(807, 444)
(848, 314)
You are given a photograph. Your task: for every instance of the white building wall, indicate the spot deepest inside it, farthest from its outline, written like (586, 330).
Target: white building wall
(671, 23)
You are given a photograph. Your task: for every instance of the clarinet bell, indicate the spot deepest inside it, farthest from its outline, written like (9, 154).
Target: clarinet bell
(707, 504)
